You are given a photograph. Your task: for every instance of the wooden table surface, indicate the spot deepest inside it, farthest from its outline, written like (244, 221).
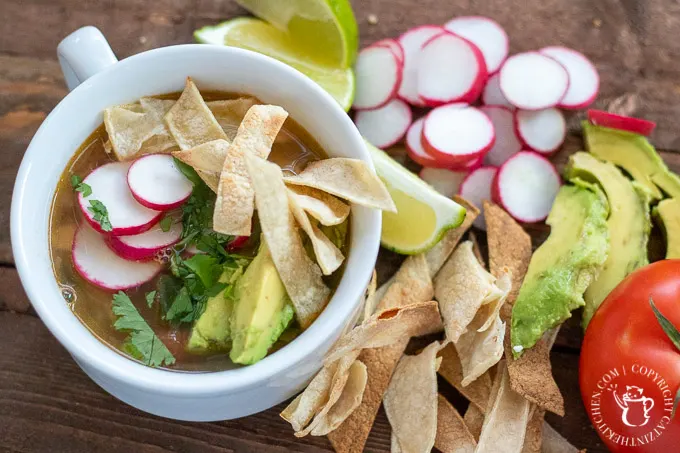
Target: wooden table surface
(48, 405)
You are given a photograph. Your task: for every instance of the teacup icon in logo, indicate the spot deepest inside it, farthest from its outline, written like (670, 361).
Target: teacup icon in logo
(635, 406)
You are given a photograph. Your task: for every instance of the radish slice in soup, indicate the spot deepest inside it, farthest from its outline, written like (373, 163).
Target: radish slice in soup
(109, 187)
(146, 245)
(99, 265)
(156, 182)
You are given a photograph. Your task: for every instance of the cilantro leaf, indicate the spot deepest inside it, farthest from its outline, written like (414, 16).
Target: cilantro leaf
(76, 180)
(165, 223)
(206, 268)
(180, 307)
(80, 186)
(142, 342)
(216, 289)
(150, 297)
(101, 214)
(189, 172)
(168, 287)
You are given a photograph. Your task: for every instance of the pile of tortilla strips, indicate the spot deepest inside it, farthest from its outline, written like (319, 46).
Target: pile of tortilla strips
(446, 289)
(227, 143)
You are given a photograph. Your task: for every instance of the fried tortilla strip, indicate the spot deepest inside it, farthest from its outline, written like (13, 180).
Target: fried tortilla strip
(325, 208)
(411, 284)
(162, 141)
(190, 121)
(479, 351)
(207, 159)
(299, 274)
(440, 253)
(234, 205)
(506, 419)
(328, 256)
(349, 179)
(230, 112)
(388, 327)
(371, 299)
(453, 436)
(474, 420)
(553, 442)
(477, 392)
(411, 400)
(534, 436)
(462, 286)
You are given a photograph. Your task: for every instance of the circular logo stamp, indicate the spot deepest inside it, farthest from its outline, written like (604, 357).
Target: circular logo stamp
(631, 405)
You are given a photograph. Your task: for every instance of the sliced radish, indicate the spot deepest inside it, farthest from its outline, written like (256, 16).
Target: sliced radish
(378, 74)
(486, 34)
(393, 45)
(526, 186)
(385, 126)
(414, 146)
(492, 94)
(156, 182)
(476, 188)
(412, 41)
(584, 81)
(507, 144)
(468, 166)
(237, 243)
(457, 135)
(624, 123)
(146, 245)
(533, 81)
(99, 265)
(109, 186)
(444, 181)
(450, 69)
(541, 130)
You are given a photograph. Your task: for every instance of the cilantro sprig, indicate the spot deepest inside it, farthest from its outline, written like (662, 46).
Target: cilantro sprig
(142, 342)
(101, 214)
(80, 186)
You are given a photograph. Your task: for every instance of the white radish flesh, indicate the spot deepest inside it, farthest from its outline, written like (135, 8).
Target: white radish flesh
(414, 146)
(450, 69)
(507, 143)
(411, 42)
(457, 135)
(393, 45)
(533, 81)
(378, 77)
(486, 34)
(476, 188)
(526, 186)
(385, 126)
(156, 182)
(146, 245)
(99, 265)
(446, 182)
(492, 94)
(543, 131)
(584, 81)
(109, 186)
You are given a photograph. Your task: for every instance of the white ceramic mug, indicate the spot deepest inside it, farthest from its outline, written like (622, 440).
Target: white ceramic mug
(98, 80)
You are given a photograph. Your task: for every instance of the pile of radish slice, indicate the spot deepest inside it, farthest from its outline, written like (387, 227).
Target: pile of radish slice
(494, 118)
(136, 195)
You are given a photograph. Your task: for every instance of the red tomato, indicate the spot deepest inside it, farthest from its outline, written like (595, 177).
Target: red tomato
(630, 370)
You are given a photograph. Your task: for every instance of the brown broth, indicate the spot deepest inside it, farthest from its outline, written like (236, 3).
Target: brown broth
(293, 149)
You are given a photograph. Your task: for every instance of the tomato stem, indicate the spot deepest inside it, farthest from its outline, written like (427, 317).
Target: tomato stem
(673, 335)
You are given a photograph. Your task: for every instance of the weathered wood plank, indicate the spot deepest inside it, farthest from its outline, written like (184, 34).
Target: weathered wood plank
(12, 297)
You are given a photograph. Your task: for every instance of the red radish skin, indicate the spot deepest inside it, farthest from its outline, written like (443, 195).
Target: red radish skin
(378, 73)
(476, 188)
(584, 81)
(450, 69)
(543, 131)
(533, 81)
(467, 167)
(486, 34)
(526, 186)
(414, 146)
(385, 126)
(237, 243)
(100, 266)
(156, 182)
(492, 94)
(624, 123)
(146, 245)
(446, 182)
(109, 185)
(457, 135)
(411, 42)
(507, 143)
(393, 45)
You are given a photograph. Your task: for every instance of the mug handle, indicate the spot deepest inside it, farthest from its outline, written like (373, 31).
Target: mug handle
(82, 54)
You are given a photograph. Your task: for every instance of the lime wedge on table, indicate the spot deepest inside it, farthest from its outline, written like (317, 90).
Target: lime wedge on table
(423, 216)
(325, 30)
(259, 36)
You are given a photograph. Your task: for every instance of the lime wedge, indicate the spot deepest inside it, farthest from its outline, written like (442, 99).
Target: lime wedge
(258, 36)
(325, 30)
(423, 216)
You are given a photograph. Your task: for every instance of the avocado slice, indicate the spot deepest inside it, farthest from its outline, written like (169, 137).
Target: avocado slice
(629, 225)
(636, 155)
(262, 310)
(564, 266)
(212, 331)
(667, 215)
